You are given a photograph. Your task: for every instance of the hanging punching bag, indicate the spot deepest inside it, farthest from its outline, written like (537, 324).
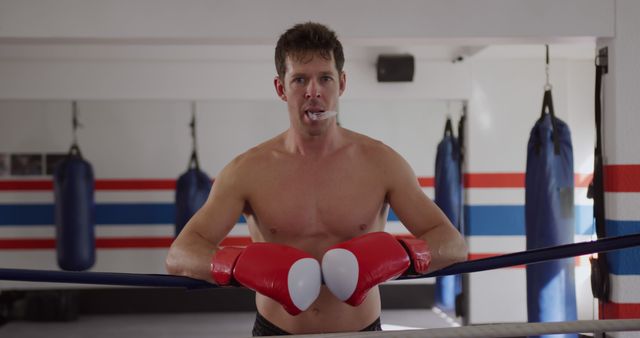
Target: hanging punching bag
(192, 190)
(551, 295)
(74, 212)
(448, 196)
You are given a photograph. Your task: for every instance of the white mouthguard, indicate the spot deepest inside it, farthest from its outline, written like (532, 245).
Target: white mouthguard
(322, 116)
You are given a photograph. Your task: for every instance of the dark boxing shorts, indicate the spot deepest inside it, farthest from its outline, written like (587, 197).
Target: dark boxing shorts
(263, 327)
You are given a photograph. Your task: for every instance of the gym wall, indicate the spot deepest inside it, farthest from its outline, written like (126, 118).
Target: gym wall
(135, 116)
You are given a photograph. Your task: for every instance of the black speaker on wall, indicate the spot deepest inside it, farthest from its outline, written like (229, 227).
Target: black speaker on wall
(395, 68)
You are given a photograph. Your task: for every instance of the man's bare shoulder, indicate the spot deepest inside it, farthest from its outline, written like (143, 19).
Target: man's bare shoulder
(258, 155)
(388, 162)
(241, 173)
(368, 145)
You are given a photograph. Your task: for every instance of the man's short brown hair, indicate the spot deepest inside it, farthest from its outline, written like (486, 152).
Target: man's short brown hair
(305, 38)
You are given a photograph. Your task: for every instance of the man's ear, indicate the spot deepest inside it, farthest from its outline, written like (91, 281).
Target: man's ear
(279, 86)
(343, 82)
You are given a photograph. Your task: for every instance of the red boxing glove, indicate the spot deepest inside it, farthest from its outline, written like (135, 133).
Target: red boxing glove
(350, 269)
(419, 255)
(290, 276)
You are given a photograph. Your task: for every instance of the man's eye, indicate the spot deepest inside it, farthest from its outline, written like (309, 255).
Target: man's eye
(299, 80)
(327, 78)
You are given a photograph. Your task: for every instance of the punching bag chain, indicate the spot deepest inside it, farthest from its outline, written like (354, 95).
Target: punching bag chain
(194, 151)
(193, 126)
(547, 85)
(74, 122)
(75, 149)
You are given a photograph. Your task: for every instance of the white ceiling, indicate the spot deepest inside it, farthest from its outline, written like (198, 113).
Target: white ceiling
(190, 52)
(438, 30)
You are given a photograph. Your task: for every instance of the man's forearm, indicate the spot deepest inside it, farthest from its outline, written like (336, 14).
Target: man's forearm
(447, 246)
(191, 258)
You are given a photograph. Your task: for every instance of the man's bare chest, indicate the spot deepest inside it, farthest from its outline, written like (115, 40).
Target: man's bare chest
(337, 201)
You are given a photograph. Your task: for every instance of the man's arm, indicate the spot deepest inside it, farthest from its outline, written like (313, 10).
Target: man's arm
(420, 215)
(191, 252)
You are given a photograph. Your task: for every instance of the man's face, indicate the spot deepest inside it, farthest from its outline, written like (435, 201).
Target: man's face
(311, 84)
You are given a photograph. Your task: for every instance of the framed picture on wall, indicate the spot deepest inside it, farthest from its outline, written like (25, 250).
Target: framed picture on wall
(4, 165)
(26, 164)
(52, 160)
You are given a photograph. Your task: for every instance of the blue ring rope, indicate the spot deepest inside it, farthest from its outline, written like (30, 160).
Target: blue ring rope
(536, 256)
(103, 278)
(159, 280)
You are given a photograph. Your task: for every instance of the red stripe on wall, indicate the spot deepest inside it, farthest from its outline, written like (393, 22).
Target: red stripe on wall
(28, 244)
(494, 180)
(111, 243)
(513, 180)
(137, 184)
(426, 182)
(622, 178)
(582, 180)
(236, 241)
(130, 184)
(159, 242)
(619, 311)
(26, 185)
(133, 243)
(119, 242)
(474, 256)
(479, 180)
(103, 184)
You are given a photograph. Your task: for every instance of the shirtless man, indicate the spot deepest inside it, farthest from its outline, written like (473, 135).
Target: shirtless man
(310, 188)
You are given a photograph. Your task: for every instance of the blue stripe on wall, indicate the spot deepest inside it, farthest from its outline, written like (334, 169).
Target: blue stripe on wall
(494, 220)
(626, 261)
(482, 220)
(584, 220)
(508, 220)
(26, 214)
(135, 213)
(392, 216)
(114, 214)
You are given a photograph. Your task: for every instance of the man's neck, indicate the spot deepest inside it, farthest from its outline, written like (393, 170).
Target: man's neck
(313, 145)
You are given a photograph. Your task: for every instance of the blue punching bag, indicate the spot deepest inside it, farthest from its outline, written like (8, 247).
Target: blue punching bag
(551, 295)
(192, 190)
(448, 196)
(73, 184)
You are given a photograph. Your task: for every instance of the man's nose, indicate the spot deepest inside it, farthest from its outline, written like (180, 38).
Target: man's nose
(313, 90)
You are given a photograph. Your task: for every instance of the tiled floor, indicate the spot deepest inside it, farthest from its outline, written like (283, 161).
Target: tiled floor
(196, 325)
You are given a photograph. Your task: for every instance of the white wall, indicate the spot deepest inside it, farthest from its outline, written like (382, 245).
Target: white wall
(151, 138)
(195, 72)
(506, 101)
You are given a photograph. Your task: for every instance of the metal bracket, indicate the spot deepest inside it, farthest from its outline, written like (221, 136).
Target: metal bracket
(602, 60)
